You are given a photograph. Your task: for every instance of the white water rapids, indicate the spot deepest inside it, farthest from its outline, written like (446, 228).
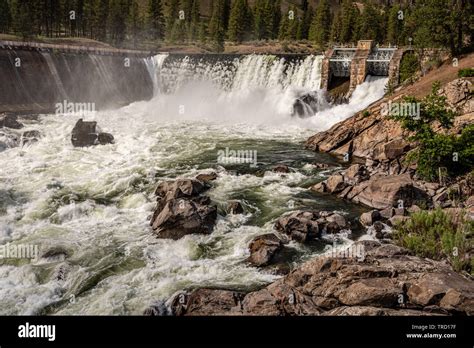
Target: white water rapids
(94, 203)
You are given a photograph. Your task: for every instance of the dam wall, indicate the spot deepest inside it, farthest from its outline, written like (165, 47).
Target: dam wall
(35, 78)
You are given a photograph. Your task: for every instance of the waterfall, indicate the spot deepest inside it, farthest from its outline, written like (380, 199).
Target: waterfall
(233, 74)
(55, 74)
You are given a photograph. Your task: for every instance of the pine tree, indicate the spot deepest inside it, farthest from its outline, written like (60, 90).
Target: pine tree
(259, 19)
(135, 22)
(22, 18)
(194, 26)
(395, 25)
(305, 24)
(156, 19)
(118, 13)
(172, 18)
(335, 35)
(5, 16)
(349, 17)
(237, 19)
(321, 24)
(368, 24)
(216, 25)
(276, 18)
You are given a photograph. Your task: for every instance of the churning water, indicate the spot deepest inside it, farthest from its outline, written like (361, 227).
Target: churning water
(88, 209)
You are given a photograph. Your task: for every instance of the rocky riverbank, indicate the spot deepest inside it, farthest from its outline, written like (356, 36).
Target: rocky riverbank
(387, 280)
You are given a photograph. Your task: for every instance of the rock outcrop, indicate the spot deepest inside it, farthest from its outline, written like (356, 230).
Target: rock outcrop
(379, 191)
(387, 281)
(182, 210)
(86, 134)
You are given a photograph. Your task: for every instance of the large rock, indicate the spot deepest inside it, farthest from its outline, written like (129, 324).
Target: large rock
(181, 210)
(10, 121)
(382, 191)
(301, 226)
(86, 134)
(391, 150)
(368, 219)
(335, 183)
(180, 217)
(180, 188)
(263, 249)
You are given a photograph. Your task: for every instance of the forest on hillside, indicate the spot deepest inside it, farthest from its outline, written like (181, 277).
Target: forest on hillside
(423, 23)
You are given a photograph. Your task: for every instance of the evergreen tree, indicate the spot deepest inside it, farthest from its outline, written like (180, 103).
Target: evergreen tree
(335, 35)
(156, 19)
(194, 26)
(306, 23)
(260, 19)
(321, 24)
(368, 24)
(237, 19)
(172, 18)
(275, 8)
(348, 20)
(22, 18)
(5, 16)
(135, 22)
(395, 25)
(118, 15)
(216, 26)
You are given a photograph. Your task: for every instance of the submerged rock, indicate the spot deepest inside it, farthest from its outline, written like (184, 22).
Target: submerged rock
(281, 168)
(86, 134)
(235, 207)
(30, 137)
(207, 177)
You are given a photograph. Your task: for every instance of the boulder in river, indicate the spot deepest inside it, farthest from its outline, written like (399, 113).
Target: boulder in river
(235, 207)
(182, 210)
(10, 121)
(301, 226)
(85, 133)
(264, 248)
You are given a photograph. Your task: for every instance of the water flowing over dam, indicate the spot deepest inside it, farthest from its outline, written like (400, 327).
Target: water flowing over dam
(88, 209)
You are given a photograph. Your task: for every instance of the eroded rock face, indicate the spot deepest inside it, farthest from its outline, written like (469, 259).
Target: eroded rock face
(181, 210)
(86, 134)
(387, 281)
(263, 249)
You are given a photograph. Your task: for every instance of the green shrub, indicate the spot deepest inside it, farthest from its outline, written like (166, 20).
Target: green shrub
(437, 150)
(366, 113)
(409, 65)
(437, 235)
(467, 72)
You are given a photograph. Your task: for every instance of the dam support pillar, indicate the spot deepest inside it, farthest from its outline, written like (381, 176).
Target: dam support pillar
(359, 63)
(326, 69)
